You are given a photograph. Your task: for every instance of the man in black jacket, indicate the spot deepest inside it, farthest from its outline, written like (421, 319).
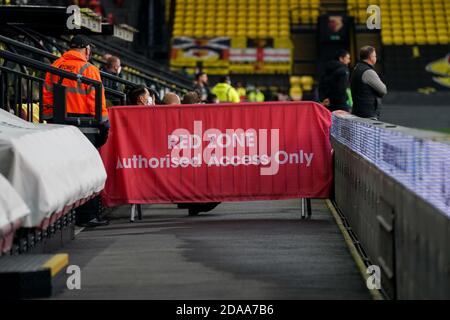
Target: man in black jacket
(367, 87)
(334, 82)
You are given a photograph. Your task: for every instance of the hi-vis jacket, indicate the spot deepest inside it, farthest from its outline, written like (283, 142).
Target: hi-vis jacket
(226, 93)
(80, 97)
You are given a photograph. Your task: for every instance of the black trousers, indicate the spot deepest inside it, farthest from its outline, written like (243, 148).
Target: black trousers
(93, 208)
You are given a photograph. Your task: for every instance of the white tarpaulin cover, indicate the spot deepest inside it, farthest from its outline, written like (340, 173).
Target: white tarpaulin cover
(50, 166)
(12, 207)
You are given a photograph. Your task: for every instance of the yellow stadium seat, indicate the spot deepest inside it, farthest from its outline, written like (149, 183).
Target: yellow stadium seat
(398, 40)
(443, 39)
(409, 39)
(432, 39)
(387, 40)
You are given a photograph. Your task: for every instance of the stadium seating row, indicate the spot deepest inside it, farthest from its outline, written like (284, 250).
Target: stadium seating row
(408, 21)
(250, 18)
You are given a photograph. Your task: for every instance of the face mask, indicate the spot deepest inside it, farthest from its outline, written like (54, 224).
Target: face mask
(149, 101)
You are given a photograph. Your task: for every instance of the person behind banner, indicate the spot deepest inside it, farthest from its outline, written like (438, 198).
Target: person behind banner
(225, 93)
(140, 96)
(195, 208)
(171, 98)
(192, 97)
(202, 88)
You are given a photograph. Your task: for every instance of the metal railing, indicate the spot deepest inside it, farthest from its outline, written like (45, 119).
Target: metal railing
(110, 93)
(18, 94)
(141, 70)
(150, 81)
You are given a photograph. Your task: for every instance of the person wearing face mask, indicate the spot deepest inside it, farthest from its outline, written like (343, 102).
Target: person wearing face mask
(80, 99)
(140, 96)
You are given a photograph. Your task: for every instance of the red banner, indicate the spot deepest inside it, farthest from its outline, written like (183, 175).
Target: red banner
(217, 153)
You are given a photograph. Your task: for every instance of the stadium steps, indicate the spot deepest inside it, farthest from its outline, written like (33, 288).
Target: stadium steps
(30, 276)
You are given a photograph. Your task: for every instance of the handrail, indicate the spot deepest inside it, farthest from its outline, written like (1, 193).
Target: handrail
(9, 56)
(180, 80)
(106, 75)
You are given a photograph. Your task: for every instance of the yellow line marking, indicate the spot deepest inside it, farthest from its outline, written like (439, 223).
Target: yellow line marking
(376, 294)
(57, 263)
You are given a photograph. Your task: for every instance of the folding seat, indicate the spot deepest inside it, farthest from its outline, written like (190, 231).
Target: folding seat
(221, 8)
(273, 33)
(262, 33)
(409, 39)
(231, 20)
(210, 33)
(179, 13)
(430, 26)
(441, 26)
(241, 33)
(252, 14)
(210, 8)
(253, 33)
(307, 83)
(443, 39)
(252, 20)
(432, 39)
(397, 40)
(283, 33)
(273, 26)
(252, 26)
(284, 20)
(387, 40)
(421, 39)
(177, 32)
(219, 14)
(188, 32)
(220, 27)
(397, 26)
(221, 20)
(440, 18)
(419, 32)
(180, 7)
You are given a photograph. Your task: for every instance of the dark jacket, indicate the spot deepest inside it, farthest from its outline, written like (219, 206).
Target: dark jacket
(365, 98)
(111, 84)
(333, 85)
(205, 93)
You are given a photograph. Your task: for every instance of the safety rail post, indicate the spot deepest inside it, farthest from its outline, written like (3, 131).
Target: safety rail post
(98, 102)
(59, 104)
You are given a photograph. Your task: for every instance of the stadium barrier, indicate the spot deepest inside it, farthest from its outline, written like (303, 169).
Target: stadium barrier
(217, 153)
(392, 184)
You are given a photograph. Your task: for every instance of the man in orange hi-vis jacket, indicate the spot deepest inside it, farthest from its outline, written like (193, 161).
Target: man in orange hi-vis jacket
(80, 97)
(80, 102)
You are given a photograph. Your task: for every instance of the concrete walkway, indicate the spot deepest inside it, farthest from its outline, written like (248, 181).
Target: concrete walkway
(258, 250)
